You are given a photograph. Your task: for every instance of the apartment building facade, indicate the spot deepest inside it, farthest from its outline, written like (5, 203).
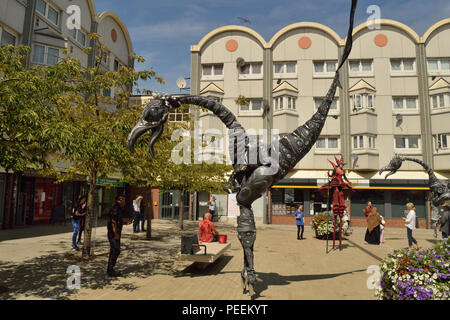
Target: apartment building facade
(395, 99)
(45, 26)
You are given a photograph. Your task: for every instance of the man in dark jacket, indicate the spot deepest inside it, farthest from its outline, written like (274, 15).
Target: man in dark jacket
(114, 227)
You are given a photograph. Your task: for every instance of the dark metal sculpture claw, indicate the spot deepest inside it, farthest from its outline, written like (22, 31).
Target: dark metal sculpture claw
(440, 191)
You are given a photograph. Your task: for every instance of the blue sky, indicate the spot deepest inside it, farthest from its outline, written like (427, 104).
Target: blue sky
(163, 31)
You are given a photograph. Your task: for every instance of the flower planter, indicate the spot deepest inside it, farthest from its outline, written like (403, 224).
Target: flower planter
(330, 236)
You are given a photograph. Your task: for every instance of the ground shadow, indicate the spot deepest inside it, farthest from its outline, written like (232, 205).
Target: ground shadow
(31, 231)
(212, 269)
(264, 280)
(46, 277)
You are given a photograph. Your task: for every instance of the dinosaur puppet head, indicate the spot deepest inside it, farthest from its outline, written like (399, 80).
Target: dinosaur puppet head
(393, 166)
(153, 117)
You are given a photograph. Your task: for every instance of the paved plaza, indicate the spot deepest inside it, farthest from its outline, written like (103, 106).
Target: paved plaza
(34, 262)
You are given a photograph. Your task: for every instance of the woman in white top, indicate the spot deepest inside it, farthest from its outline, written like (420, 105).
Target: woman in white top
(382, 226)
(410, 223)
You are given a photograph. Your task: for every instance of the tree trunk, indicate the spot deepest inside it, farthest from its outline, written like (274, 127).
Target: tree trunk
(191, 213)
(89, 218)
(181, 210)
(149, 216)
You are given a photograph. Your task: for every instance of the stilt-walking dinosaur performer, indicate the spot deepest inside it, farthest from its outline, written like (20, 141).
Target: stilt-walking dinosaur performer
(440, 191)
(250, 180)
(338, 182)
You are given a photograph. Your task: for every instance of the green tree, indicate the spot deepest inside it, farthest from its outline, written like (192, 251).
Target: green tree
(97, 120)
(189, 176)
(164, 173)
(30, 99)
(143, 170)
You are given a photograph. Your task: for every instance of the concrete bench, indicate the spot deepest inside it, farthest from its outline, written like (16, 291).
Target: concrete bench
(214, 251)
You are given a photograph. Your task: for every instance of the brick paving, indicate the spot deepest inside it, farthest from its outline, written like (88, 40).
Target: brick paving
(287, 268)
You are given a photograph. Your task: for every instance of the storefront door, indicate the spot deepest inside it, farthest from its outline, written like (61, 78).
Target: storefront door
(43, 200)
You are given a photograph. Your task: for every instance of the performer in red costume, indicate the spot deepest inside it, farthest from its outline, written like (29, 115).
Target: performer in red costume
(338, 182)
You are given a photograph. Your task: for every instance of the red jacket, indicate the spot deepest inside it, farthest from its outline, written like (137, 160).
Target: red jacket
(206, 230)
(367, 211)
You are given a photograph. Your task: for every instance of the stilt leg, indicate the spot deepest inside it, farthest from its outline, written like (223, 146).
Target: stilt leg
(340, 233)
(247, 236)
(334, 228)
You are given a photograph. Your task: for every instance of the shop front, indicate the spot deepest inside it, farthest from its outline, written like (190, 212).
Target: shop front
(390, 198)
(170, 204)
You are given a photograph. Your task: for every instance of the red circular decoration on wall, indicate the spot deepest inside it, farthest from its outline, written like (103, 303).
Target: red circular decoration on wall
(231, 45)
(380, 40)
(114, 35)
(304, 42)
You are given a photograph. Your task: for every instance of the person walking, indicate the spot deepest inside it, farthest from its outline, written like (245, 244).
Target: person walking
(435, 218)
(212, 207)
(114, 227)
(373, 227)
(137, 213)
(382, 227)
(299, 215)
(78, 212)
(410, 223)
(368, 209)
(444, 221)
(142, 211)
(82, 218)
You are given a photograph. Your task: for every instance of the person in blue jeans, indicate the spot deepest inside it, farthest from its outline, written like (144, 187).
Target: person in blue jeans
(137, 216)
(78, 212)
(299, 215)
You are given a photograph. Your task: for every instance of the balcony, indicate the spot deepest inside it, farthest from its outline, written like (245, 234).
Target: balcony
(363, 121)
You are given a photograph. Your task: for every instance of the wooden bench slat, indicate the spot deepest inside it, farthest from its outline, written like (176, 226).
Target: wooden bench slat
(213, 251)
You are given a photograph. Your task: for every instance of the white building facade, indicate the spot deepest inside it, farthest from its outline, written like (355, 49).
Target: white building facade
(395, 99)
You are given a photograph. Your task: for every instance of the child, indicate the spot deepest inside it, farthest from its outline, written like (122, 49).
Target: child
(299, 215)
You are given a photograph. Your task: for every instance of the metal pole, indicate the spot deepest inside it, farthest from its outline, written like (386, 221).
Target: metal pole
(328, 210)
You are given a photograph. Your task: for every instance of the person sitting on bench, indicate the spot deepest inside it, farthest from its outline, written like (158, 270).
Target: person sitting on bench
(207, 229)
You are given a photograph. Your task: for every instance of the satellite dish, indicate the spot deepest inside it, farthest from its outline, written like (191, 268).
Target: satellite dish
(240, 62)
(398, 117)
(181, 83)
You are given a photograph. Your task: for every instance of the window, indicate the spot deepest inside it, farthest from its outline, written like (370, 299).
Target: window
(362, 141)
(404, 103)
(212, 70)
(439, 65)
(250, 69)
(179, 115)
(285, 102)
(327, 143)
(48, 11)
(107, 92)
(79, 36)
(45, 55)
(116, 65)
(333, 106)
(372, 142)
(254, 105)
(325, 67)
(281, 68)
(363, 101)
(441, 141)
(440, 100)
(7, 38)
(411, 142)
(402, 65)
(360, 66)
